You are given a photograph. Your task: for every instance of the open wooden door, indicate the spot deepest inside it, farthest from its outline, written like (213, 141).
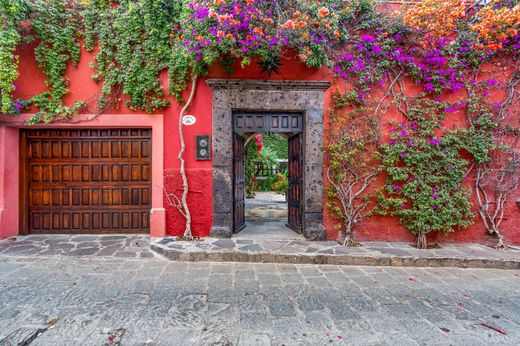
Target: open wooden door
(239, 183)
(295, 190)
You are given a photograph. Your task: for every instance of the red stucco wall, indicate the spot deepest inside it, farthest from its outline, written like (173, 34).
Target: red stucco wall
(200, 172)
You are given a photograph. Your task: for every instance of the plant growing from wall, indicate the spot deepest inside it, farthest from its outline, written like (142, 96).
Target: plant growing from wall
(134, 41)
(425, 174)
(493, 139)
(353, 162)
(56, 25)
(12, 13)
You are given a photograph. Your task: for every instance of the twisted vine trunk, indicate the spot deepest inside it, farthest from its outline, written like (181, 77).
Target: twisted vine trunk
(347, 234)
(421, 240)
(185, 186)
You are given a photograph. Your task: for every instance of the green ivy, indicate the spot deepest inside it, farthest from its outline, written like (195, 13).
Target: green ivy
(12, 12)
(134, 41)
(57, 29)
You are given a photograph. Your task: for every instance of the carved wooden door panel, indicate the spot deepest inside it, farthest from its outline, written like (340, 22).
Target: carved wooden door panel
(239, 183)
(295, 190)
(86, 181)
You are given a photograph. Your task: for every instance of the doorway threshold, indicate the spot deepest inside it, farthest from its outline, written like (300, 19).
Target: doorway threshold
(267, 229)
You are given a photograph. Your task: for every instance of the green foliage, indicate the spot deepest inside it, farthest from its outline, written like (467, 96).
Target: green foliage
(425, 174)
(56, 27)
(277, 143)
(12, 12)
(134, 40)
(280, 183)
(251, 156)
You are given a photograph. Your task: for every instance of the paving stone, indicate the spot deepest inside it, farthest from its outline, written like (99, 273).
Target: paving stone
(343, 312)
(248, 339)
(287, 331)
(126, 254)
(310, 271)
(251, 248)
(280, 308)
(86, 251)
(254, 321)
(224, 244)
(251, 302)
(139, 301)
(310, 302)
(291, 278)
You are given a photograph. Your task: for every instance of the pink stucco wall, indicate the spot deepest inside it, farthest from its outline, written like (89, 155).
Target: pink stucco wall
(9, 159)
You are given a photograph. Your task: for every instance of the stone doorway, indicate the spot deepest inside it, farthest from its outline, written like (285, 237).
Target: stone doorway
(252, 96)
(268, 215)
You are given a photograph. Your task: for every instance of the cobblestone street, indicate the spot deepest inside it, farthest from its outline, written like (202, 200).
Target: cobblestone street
(57, 300)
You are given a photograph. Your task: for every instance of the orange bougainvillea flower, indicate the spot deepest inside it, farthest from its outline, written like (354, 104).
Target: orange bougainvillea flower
(495, 26)
(323, 12)
(288, 24)
(436, 18)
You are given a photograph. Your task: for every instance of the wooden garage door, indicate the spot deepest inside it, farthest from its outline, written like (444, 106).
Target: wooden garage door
(86, 181)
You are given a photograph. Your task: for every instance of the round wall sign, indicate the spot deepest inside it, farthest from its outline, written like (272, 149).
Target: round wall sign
(189, 120)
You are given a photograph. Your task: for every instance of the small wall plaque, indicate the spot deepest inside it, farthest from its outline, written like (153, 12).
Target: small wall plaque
(189, 120)
(203, 148)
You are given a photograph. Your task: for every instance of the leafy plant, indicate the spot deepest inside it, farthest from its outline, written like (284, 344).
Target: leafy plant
(134, 41)
(425, 169)
(12, 13)
(280, 184)
(353, 164)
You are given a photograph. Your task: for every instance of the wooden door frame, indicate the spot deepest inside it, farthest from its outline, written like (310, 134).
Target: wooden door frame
(306, 97)
(23, 186)
(15, 163)
(236, 134)
(301, 199)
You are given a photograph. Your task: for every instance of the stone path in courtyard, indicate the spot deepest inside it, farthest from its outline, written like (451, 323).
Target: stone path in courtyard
(59, 300)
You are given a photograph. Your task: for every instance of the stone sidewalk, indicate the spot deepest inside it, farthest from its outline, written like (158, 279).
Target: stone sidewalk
(267, 251)
(305, 252)
(127, 246)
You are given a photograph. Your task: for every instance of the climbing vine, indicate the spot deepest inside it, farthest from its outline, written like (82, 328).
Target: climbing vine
(134, 41)
(56, 27)
(425, 168)
(353, 154)
(12, 13)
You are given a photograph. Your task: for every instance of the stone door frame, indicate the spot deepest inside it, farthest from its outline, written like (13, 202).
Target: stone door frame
(305, 97)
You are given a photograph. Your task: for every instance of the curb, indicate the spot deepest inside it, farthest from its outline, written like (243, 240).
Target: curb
(353, 259)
